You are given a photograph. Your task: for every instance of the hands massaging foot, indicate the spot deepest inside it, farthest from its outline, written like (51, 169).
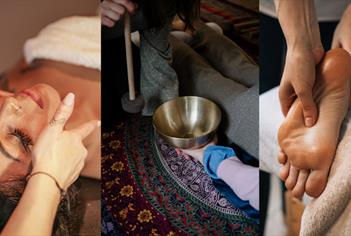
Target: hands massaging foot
(314, 148)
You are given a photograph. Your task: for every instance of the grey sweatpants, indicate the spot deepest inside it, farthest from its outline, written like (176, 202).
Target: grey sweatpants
(158, 80)
(216, 68)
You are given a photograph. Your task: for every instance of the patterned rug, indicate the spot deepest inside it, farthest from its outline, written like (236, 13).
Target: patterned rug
(149, 190)
(239, 17)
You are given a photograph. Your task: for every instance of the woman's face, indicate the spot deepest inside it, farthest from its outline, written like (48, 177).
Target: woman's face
(22, 117)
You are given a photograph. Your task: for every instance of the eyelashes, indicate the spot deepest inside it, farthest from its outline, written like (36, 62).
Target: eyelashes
(24, 138)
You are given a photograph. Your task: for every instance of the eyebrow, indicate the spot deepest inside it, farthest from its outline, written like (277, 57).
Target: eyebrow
(6, 153)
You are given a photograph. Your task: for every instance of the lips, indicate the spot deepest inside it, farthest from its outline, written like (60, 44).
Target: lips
(34, 96)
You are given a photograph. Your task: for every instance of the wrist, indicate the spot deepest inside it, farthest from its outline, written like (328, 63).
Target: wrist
(306, 52)
(47, 179)
(44, 186)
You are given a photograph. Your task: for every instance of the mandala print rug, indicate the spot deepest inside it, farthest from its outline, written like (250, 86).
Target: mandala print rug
(150, 190)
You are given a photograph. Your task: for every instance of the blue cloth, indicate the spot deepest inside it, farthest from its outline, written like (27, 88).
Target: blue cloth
(213, 156)
(230, 195)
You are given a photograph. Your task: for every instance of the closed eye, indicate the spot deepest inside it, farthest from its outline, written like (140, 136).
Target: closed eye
(25, 139)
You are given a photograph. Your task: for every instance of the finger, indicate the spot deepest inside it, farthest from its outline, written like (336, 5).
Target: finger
(347, 46)
(186, 156)
(292, 178)
(112, 15)
(107, 21)
(116, 8)
(282, 158)
(308, 106)
(299, 188)
(286, 97)
(129, 5)
(63, 112)
(87, 128)
(178, 151)
(335, 43)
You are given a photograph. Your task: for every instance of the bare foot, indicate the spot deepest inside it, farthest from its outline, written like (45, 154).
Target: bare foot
(314, 148)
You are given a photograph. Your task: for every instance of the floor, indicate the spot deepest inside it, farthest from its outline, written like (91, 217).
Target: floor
(274, 223)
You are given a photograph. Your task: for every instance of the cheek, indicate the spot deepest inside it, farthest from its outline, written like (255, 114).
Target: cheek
(36, 126)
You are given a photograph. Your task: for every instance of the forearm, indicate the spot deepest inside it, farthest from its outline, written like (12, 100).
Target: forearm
(243, 179)
(221, 163)
(36, 210)
(299, 23)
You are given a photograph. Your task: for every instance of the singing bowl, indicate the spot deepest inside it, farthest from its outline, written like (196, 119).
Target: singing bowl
(187, 122)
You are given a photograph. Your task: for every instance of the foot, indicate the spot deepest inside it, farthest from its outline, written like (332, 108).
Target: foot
(314, 148)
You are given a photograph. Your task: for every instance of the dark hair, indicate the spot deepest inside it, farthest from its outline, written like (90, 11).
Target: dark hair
(158, 12)
(68, 216)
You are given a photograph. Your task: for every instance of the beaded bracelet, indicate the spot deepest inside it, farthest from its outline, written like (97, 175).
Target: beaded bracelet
(62, 191)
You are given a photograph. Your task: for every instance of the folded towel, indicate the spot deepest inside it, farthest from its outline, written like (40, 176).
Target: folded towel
(330, 214)
(74, 40)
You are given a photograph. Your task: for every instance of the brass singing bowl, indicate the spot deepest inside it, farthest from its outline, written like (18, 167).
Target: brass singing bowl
(187, 122)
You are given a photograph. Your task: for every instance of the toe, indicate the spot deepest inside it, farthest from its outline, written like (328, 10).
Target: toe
(299, 188)
(284, 171)
(292, 178)
(316, 182)
(282, 158)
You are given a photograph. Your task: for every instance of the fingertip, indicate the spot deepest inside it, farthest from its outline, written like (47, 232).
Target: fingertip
(285, 107)
(310, 117)
(177, 151)
(69, 99)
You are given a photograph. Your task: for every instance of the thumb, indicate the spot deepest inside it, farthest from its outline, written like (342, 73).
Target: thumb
(63, 113)
(309, 107)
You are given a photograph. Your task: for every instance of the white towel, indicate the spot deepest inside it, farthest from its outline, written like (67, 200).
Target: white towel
(330, 214)
(270, 119)
(75, 40)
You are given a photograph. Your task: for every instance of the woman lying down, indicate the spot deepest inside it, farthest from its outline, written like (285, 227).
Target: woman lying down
(49, 135)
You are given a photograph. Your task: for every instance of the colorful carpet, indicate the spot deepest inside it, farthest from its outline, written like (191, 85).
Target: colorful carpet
(237, 17)
(149, 190)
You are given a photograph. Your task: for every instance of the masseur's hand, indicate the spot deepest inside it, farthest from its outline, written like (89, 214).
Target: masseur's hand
(342, 34)
(113, 10)
(297, 82)
(60, 152)
(298, 20)
(197, 154)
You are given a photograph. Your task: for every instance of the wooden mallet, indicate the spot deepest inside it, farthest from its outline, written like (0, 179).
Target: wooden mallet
(130, 102)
